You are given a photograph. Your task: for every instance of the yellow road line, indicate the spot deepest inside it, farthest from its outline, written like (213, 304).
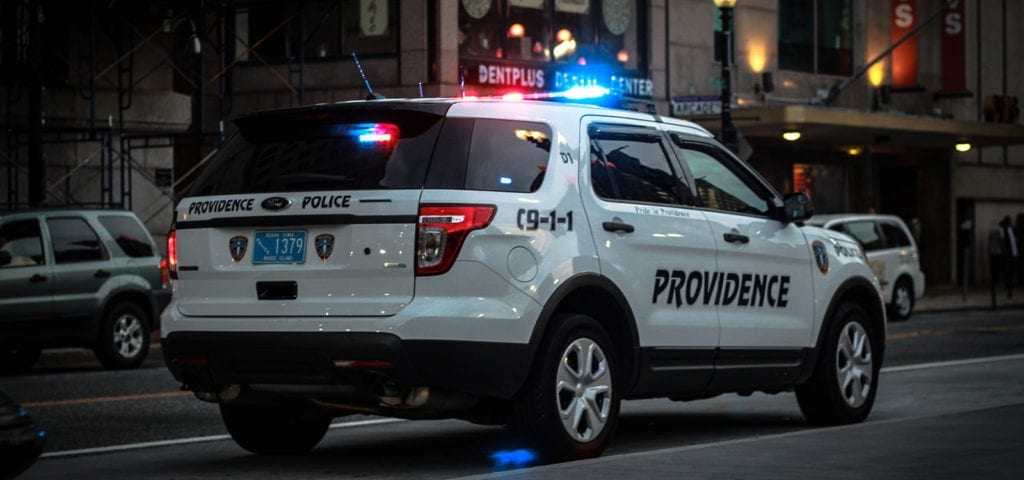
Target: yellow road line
(118, 398)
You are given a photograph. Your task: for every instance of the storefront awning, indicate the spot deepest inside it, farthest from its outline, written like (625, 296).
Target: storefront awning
(836, 127)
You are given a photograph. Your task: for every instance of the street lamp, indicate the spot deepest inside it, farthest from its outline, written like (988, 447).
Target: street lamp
(728, 129)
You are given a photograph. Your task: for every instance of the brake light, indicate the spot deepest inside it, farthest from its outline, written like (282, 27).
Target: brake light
(172, 253)
(441, 231)
(165, 276)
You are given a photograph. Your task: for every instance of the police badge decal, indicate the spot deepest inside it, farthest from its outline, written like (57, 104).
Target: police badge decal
(324, 246)
(237, 246)
(820, 256)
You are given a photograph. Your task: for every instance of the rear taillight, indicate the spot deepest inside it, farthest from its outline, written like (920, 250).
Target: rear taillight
(441, 231)
(165, 276)
(172, 253)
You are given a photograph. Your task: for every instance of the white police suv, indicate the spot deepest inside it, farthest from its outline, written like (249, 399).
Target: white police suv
(504, 262)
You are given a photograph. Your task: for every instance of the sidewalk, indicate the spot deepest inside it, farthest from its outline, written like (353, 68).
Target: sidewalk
(951, 297)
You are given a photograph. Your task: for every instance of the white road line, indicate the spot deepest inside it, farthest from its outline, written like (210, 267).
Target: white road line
(739, 441)
(953, 363)
(214, 438)
(525, 472)
(191, 440)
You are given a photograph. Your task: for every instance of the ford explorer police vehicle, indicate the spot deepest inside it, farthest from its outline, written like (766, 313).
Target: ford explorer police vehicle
(503, 262)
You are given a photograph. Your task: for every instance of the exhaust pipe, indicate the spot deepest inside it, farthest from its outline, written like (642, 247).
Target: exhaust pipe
(391, 395)
(227, 393)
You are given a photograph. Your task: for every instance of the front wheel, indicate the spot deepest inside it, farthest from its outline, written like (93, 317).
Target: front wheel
(843, 386)
(124, 337)
(275, 429)
(570, 405)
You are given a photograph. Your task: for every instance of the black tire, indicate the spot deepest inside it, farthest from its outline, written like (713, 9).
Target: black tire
(850, 344)
(21, 439)
(18, 360)
(124, 337)
(535, 410)
(275, 429)
(902, 304)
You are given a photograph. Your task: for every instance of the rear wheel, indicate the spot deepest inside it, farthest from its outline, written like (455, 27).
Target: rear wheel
(275, 429)
(124, 337)
(902, 300)
(570, 406)
(845, 380)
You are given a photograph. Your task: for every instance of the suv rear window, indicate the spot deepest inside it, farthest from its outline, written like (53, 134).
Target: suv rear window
(357, 149)
(128, 234)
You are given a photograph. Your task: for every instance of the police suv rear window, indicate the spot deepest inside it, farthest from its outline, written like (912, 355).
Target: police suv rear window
(346, 150)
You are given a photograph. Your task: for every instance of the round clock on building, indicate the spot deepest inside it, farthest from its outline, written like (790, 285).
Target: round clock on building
(477, 8)
(616, 15)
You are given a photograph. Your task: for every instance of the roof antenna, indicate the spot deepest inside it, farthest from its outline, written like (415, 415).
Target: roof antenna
(421, 89)
(371, 96)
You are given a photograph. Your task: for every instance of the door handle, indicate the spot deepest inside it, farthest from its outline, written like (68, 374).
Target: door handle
(736, 238)
(618, 227)
(37, 278)
(101, 273)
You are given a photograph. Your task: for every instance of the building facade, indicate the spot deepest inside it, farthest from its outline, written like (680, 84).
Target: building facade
(878, 126)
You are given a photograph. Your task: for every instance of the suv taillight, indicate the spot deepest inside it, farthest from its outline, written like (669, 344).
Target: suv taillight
(172, 253)
(165, 275)
(441, 231)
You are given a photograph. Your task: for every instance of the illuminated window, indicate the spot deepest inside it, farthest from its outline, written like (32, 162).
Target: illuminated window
(816, 36)
(324, 31)
(562, 31)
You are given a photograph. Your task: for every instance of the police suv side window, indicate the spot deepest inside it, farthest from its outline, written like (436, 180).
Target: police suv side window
(508, 156)
(720, 184)
(636, 169)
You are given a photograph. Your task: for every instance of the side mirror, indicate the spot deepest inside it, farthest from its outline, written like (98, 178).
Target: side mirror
(796, 207)
(5, 258)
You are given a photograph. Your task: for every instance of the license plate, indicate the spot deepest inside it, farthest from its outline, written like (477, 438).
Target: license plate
(280, 247)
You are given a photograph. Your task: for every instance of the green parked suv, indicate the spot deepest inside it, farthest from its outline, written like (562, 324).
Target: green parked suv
(78, 278)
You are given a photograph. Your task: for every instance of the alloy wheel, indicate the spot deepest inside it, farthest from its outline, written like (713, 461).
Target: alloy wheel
(128, 335)
(583, 390)
(854, 368)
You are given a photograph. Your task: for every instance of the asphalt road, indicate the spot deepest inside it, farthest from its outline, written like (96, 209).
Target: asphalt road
(947, 419)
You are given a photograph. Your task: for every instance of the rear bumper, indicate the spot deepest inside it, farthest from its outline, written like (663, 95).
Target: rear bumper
(300, 358)
(159, 298)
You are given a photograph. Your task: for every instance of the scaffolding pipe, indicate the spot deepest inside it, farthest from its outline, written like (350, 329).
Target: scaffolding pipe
(92, 64)
(252, 48)
(36, 167)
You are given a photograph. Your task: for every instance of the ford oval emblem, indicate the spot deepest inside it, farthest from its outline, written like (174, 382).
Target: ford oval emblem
(276, 203)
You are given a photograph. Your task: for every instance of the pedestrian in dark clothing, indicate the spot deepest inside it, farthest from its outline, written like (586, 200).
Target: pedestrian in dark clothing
(1002, 255)
(1018, 231)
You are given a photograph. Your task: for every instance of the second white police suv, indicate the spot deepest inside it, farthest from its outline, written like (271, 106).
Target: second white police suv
(503, 262)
